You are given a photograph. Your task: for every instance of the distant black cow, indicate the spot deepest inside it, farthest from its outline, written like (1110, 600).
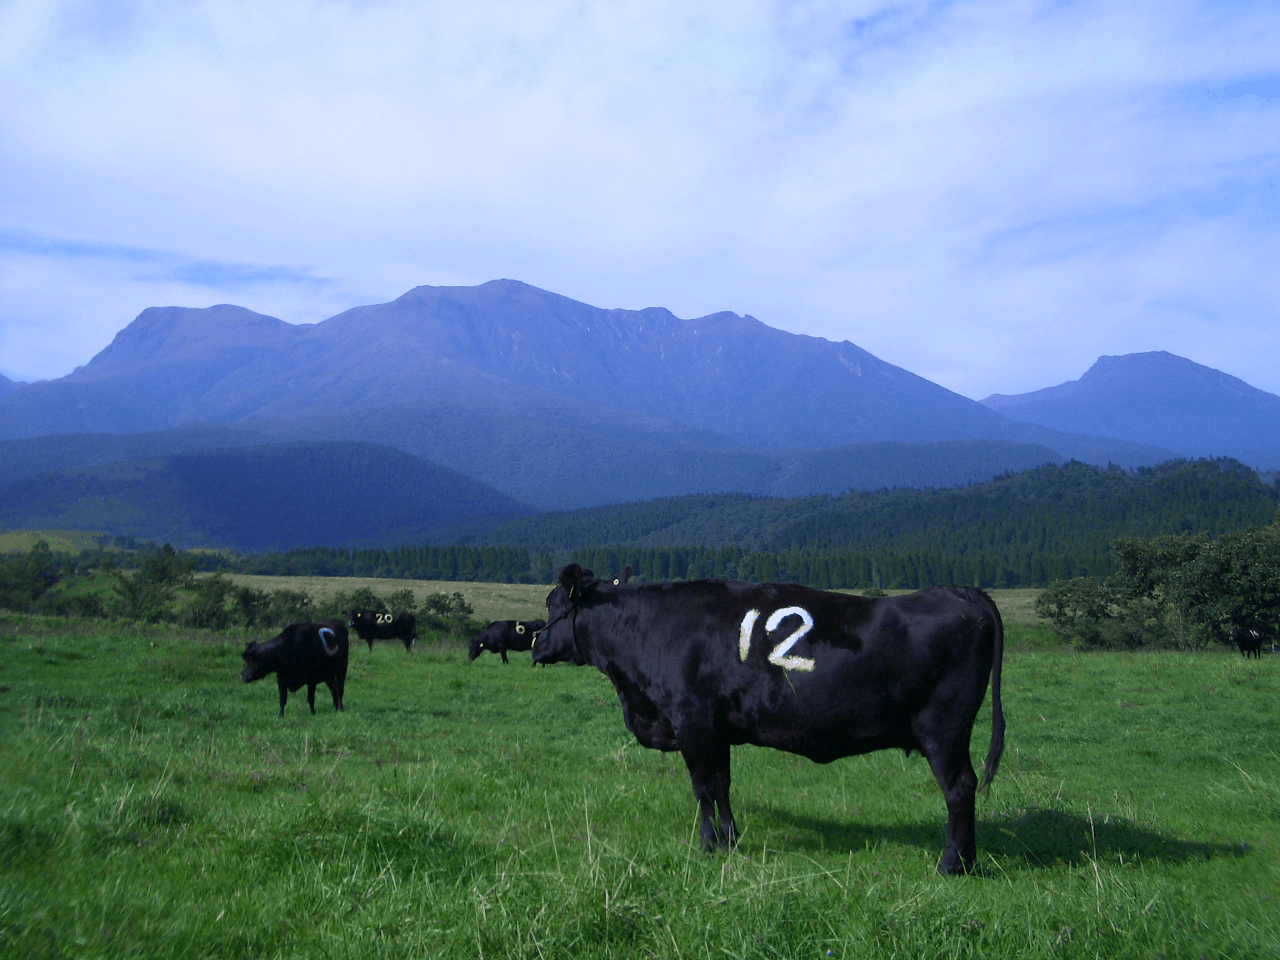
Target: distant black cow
(702, 665)
(309, 653)
(503, 635)
(371, 626)
(1249, 640)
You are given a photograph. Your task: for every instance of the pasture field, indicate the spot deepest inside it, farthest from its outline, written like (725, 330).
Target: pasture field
(152, 805)
(67, 541)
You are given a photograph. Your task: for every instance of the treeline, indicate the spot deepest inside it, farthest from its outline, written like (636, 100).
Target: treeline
(824, 569)
(161, 587)
(1028, 529)
(486, 564)
(1049, 524)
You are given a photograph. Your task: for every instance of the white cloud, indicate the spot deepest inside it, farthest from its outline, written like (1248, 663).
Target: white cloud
(989, 194)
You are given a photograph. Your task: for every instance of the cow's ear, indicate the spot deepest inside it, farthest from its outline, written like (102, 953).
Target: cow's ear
(569, 576)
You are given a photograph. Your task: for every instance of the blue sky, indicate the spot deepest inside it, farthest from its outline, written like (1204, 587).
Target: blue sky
(990, 194)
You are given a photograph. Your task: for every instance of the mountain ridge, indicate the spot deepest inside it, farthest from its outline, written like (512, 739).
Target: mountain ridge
(553, 401)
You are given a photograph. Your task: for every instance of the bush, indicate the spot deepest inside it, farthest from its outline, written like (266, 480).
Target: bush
(362, 598)
(208, 610)
(288, 606)
(1179, 591)
(448, 612)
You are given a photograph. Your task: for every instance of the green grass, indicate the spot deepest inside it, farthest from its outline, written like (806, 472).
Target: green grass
(153, 805)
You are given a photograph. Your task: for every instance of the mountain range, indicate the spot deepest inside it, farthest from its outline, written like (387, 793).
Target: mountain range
(554, 402)
(504, 346)
(557, 404)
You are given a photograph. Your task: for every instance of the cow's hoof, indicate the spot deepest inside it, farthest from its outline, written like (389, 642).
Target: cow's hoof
(954, 866)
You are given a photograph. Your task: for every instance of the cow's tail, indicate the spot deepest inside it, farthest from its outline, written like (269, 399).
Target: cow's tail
(996, 749)
(325, 636)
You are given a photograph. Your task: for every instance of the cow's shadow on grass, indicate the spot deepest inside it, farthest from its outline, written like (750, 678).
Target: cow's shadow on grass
(1036, 838)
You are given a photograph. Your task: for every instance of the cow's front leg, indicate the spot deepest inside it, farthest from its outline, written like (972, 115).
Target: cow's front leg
(504, 656)
(311, 697)
(954, 773)
(284, 692)
(708, 764)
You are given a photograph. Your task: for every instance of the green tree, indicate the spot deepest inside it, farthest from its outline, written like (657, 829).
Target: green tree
(1235, 581)
(401, 601)
(147, 594)
(24, 580)
(252, 605)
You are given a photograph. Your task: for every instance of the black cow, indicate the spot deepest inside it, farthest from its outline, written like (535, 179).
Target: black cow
(309, 653)
(1249, 640)
(371, 626)
(705, 664)
(503, 635)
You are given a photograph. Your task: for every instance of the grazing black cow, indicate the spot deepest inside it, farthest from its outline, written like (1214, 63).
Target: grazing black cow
(503, 635)
(309, 653)
(371, 626)
(1249, 640)
(705, 664)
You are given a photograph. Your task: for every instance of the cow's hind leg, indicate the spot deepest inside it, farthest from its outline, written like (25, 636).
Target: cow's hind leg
(311, 697)
(953, 770)
(284, 693)
(335, 688)
(709, 771)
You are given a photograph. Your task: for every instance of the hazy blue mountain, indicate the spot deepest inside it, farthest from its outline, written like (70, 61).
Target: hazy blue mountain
(555, 402)
(437, 346)
(8, 386)
(259, 497)
(1160, 399)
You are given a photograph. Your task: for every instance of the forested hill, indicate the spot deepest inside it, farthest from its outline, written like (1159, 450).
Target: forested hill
(1024, 529)
(1049, 507)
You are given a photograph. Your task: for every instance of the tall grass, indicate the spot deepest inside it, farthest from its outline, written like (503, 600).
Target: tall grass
(153, 805)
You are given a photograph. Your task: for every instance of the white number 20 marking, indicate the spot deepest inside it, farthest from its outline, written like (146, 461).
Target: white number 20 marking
(778, 655)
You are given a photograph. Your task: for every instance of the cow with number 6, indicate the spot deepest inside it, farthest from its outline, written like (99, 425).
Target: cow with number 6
(704, 665)
(502, 636)
(371, 625)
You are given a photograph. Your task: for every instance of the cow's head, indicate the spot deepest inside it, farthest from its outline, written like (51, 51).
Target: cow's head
(557, 640)
(477, 646)
(351, 616)
(254, 667)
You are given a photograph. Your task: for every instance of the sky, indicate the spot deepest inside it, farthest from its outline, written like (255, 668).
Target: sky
(989, 194)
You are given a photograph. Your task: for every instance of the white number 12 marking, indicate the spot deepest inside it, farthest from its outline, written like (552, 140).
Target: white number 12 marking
(778, 655)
